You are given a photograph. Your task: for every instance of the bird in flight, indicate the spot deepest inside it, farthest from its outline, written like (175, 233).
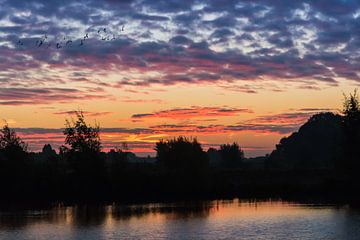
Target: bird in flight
(104, 35)
(68, 42)
(40, 43)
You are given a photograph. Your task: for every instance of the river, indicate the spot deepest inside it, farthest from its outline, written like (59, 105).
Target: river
(235, 219)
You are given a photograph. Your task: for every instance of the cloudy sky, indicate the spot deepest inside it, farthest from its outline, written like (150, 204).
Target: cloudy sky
(220, 70)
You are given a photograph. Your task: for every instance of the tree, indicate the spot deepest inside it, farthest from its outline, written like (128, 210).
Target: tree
(13, 156)
(82, 151)
(231, 155)
(351, 124)
(181, 154)
(12, 148)
(351, 108)
(51, 159)
(316, 145)
(185, 165)
(81, 137)
(48, 150)
(9, 141)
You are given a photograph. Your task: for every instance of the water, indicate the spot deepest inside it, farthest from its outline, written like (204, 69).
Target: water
(197, 220)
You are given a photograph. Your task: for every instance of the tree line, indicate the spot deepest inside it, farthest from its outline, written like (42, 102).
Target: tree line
(81, 170)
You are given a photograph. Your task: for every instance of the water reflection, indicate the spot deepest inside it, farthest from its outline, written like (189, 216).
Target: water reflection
(200, 220)
(89, 215)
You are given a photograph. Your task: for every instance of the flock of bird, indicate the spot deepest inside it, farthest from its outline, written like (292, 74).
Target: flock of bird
(103, 34)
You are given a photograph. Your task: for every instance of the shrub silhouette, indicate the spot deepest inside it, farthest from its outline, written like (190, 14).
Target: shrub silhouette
(181, 154)
(231, 155)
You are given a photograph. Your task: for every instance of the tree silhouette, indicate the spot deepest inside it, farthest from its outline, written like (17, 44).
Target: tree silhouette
(351, 107)
(13, 156)
(82, 152)
(231, 155)
(185, 164)
(12, 148)
(48, 150)
(317, 145)
(81, 137)
(351, 124)
(181, 154)
(9, 141)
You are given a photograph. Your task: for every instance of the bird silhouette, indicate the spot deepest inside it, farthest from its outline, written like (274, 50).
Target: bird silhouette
(105, 34)
(68, 42)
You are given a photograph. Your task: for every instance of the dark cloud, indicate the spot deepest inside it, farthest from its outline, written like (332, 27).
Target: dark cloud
(31, 96)
(193, 112)
(85, 113)
(192, 42)
(222, 22)
(180, 40)
(222, 34)
(149, 17)
(335, 36)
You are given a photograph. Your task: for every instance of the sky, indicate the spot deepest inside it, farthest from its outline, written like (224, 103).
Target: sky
(220, 70)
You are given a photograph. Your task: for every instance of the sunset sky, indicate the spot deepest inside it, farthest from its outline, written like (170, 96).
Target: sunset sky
(222, 70)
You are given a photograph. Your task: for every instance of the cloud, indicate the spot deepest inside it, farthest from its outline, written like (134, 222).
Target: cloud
(31, 96)
(179, 129)
(287, 118)
(129, 100)
(298, 41)
(192, 112)
(85, 113)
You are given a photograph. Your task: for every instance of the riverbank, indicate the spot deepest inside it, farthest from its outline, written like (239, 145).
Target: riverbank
(152, 185)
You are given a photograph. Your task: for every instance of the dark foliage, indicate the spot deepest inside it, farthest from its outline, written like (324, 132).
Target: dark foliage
(326, 141)
(13, 156)
(231, 155)
(184, 165)
(351, 126)
(317, 145)
(181, 154)
(86, 169)
(10, 143)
